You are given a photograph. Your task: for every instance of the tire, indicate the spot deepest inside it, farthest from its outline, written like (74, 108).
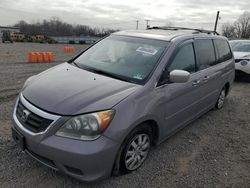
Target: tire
(221, 99)
(134, 150)
(247, 78)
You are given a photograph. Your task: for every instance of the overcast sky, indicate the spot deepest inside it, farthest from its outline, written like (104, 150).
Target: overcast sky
(122, 14)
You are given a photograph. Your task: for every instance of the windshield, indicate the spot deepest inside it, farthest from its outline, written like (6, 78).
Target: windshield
(241, 47)
(128, 58)
(233, 43)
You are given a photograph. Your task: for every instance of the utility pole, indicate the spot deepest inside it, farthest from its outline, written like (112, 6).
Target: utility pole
(216, 21)
(147, 24)
(137, 23)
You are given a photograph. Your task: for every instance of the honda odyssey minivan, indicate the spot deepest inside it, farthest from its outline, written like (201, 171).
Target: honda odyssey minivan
(100, 113)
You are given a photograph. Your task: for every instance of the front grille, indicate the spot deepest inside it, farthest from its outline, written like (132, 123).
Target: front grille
(238, 60)
(30, 120)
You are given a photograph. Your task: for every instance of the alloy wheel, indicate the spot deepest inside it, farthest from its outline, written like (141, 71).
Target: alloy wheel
(221, 99)
(137, 151)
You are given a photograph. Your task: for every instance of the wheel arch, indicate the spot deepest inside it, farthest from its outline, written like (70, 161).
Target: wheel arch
(227, 87)
(152, 123)
(154, 127)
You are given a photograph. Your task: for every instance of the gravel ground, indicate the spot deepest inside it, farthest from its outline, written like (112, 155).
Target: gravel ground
(213, 151)
(18, 52)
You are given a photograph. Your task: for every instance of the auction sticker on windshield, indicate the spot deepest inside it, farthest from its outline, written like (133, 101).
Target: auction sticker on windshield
(145, 50)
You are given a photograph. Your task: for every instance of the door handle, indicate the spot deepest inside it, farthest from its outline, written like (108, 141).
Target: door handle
(196, 83)
(205, 79)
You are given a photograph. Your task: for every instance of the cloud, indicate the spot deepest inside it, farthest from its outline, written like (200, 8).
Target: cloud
(123, 14)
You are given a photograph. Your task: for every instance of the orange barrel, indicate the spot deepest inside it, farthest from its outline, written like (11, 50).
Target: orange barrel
(65, 49)
(45, 56)
(32, 57)
(51, 56)
(72, 49)
(39, 57)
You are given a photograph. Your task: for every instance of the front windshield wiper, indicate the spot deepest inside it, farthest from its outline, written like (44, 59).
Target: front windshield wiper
(111, 75)
(74, 63)
(104, 73)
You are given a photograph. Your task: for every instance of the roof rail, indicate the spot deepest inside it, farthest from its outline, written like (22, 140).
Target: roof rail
(184, 28)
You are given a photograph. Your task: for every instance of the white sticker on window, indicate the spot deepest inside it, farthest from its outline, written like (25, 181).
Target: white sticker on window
(145, 50)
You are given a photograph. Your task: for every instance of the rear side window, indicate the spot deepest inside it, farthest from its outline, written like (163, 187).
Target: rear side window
(205, 55)
(184, 59)
(224, 52)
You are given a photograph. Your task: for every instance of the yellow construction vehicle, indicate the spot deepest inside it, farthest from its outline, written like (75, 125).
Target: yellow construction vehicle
(45, 39)
(50, 40)
(18, 37)
(40, 38)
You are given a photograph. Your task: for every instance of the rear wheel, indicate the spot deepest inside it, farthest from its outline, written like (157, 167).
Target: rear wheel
(221, 99)
(135, 149)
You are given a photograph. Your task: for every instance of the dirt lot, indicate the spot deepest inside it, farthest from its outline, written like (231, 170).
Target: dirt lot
(214, 151)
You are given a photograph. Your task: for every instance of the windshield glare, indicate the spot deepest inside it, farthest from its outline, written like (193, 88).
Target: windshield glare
(128, 57)
(241, 47)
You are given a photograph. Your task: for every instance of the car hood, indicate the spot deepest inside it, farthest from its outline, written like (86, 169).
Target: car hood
(69, 90)
(242, 55)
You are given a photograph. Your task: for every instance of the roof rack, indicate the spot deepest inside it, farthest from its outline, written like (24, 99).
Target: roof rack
(184, 28)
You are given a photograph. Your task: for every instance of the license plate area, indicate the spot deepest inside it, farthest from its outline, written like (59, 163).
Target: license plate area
(19, 138)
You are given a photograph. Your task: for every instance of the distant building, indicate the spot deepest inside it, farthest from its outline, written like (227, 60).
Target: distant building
(11, 29)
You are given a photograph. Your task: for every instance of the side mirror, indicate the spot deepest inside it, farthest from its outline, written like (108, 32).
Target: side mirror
(179, 76)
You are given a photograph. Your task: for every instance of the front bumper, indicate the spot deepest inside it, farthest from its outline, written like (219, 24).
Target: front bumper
(84, 160)
(245, 69)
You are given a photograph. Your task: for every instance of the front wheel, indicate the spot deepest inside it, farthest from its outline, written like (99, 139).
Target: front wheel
(221, 99)
(135, 149)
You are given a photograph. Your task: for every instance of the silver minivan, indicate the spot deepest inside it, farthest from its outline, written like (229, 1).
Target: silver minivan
(101, 112)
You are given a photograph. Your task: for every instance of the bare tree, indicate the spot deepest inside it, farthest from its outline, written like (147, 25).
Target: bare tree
(228, 30)
(239, 29)
(56, 27)
(242, 25)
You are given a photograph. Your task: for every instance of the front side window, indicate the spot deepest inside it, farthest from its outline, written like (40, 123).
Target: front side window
(128, 58)
(184, 59)
(205, 55)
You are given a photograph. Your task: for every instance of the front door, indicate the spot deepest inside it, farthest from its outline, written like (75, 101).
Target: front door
(182, 99)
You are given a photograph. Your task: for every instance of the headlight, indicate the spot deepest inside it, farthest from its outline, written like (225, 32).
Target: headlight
(86, 127)
(244, 62)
